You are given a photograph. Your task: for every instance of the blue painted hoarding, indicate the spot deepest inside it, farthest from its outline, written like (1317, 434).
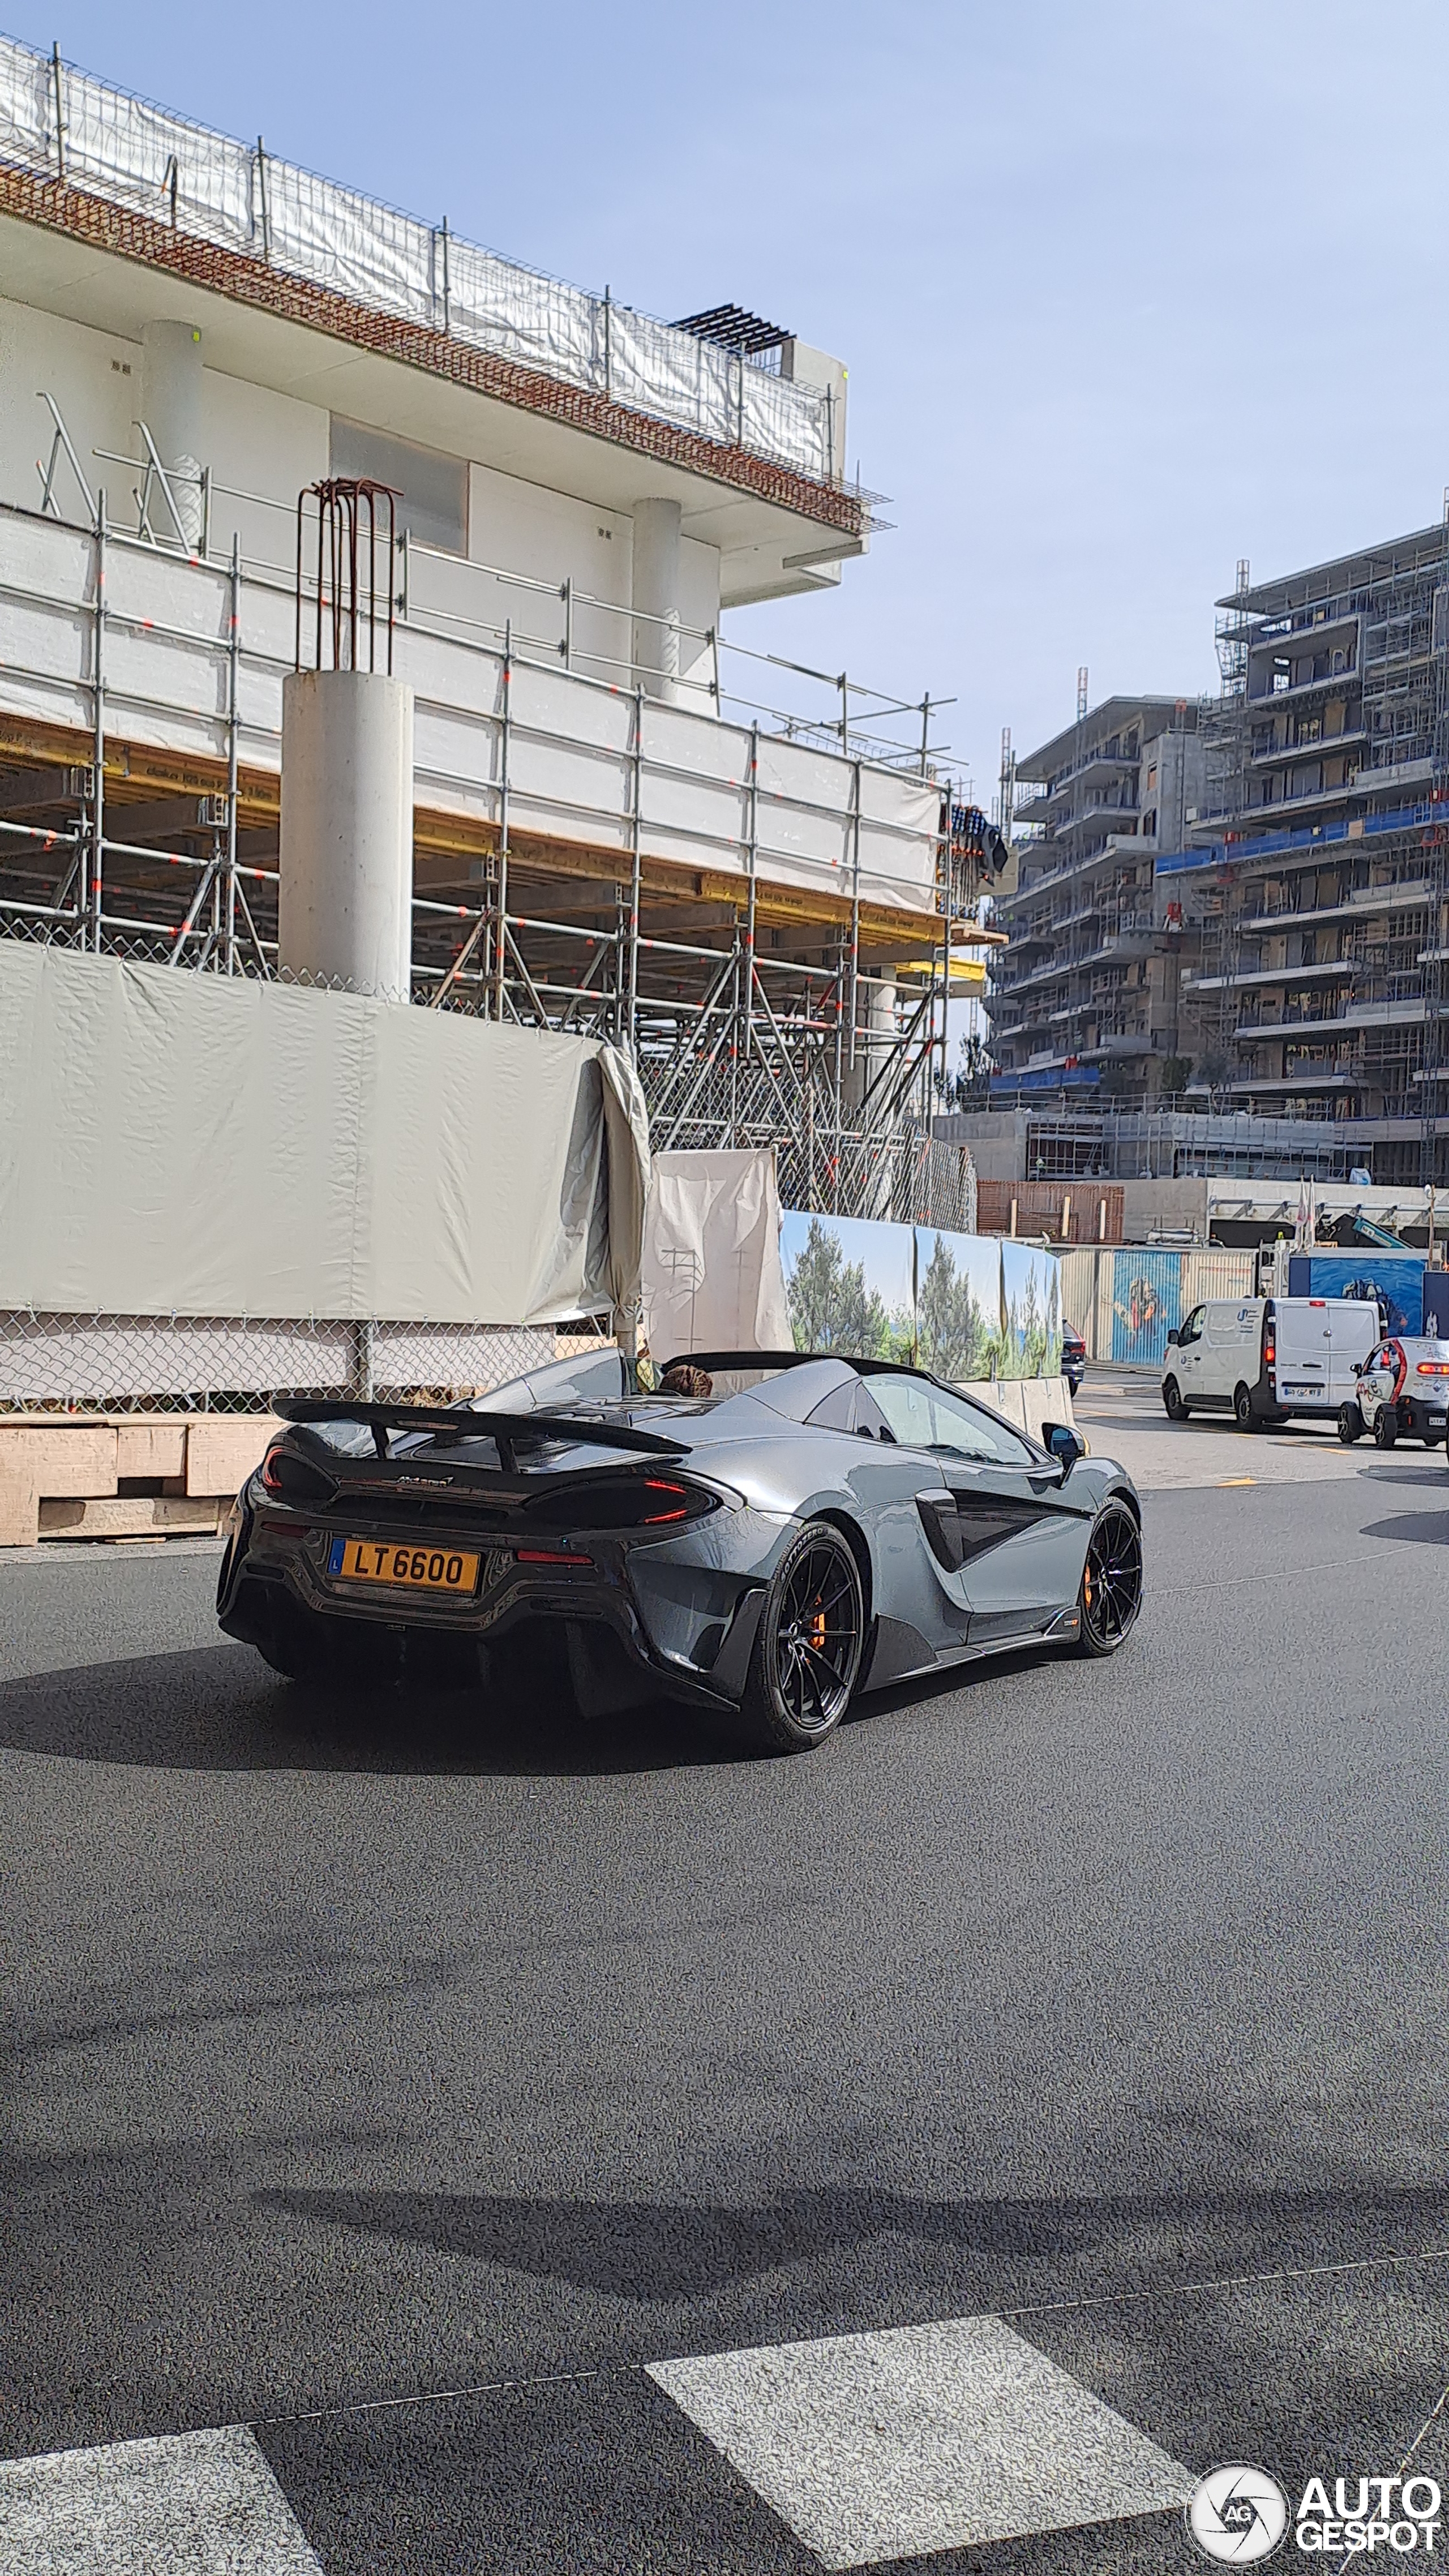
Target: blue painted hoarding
(1146, 1305)
(1396, 1277)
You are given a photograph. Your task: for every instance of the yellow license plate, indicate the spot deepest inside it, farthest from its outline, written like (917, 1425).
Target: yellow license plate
(413, 1569)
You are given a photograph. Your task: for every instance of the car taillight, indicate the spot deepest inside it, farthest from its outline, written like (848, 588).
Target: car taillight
(1270, 1352)
(1434, 1368)
(621, 1503)
(291, 1480)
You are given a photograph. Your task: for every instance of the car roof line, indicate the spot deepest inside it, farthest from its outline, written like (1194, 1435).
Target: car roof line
(795, 1359)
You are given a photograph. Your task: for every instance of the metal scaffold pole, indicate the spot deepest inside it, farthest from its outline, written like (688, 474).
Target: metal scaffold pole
(853, 998)
(636, 825)
(98, 746)
(233, 734)
(838, 1145)
(500, 941)
(751, 854)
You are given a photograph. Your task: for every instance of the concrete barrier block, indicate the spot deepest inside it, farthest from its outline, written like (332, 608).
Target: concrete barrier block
(222, 1449)
(151, 1448)
(1045, 1399)
(131, 1516)
(19, 1501)
(62, 1458)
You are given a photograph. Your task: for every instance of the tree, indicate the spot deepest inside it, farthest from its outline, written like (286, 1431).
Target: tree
(954, 1336)
(1033, 1340)
(831, 1308)
(970, 1088)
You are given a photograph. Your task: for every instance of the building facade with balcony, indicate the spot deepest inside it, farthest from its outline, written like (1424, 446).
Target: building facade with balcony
(618, 827)
(1314, 871)
(1084, 1001)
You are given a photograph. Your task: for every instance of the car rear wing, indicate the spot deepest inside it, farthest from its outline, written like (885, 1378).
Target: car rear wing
(449, 1424)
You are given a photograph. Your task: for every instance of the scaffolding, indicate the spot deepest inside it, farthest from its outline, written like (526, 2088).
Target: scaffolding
(766, 997)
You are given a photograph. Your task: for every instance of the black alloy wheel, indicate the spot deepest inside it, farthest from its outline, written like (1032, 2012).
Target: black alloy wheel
(1177, 1411)
(1243, 1413)
(808, 1649)
(1350, 1424)
(1386, 1427)
(1111, 1588)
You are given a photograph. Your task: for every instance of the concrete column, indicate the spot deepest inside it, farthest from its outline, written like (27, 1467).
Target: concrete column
(656, 591)
(345, 899)
(171, 409)
(874, 1037)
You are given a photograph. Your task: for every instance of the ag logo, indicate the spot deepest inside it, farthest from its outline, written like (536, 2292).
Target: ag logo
(1237, 2515)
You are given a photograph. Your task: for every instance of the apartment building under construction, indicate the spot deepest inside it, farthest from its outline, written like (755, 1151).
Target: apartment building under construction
(1084, 1004)
(1313, 879)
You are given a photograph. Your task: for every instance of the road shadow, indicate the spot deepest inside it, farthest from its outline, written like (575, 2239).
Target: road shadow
(666, 2250)
(220, 1709)
(1422, 1529)
(1409, 1473)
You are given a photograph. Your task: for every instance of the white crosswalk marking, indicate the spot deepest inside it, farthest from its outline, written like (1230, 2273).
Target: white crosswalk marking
(922, 2438)
(189, 2504)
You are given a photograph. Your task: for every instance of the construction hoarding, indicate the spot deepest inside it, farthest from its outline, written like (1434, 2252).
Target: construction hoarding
(177, 1144)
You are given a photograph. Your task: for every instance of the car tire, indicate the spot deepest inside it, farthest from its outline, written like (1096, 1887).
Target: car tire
(1172, 1397)
(807, 1652)
(1110, 1593)
(1350, 1424)
(1386, 1428)
(1243, 1414)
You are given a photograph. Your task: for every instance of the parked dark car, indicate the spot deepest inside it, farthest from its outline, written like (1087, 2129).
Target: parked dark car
(1074, 1357)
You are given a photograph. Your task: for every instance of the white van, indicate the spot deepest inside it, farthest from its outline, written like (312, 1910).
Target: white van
(1263, 1359)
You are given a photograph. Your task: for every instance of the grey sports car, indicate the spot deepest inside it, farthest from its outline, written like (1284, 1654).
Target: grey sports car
(770, 1534)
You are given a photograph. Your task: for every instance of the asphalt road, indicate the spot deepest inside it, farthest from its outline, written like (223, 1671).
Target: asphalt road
(367, 2054)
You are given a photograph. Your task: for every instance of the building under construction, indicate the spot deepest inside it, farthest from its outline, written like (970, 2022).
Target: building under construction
(752, 875)
(1315, 872)
(1085, 1003)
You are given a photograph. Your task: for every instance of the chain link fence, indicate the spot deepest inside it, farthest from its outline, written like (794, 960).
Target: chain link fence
(232, 1364)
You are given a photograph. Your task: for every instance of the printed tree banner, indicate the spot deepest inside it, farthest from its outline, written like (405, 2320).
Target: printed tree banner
(850, 1285)
(1146, 1305)
(965, 1306)
(1031, 1312)
(958, 1305)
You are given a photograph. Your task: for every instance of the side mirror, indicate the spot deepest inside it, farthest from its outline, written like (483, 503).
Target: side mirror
(1173, 1336)
(1063, 1444)
(1359, 1367)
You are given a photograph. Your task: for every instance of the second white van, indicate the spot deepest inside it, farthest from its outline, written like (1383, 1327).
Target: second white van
(1265, 1359)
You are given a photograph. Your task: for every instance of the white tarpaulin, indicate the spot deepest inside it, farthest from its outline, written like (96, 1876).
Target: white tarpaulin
(184, 1144)
(711, 1276)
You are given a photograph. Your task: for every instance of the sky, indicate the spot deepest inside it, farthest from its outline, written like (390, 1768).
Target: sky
(1127, 291)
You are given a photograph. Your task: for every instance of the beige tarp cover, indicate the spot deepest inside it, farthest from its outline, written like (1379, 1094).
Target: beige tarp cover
(712, 1278)
(173, 1143)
